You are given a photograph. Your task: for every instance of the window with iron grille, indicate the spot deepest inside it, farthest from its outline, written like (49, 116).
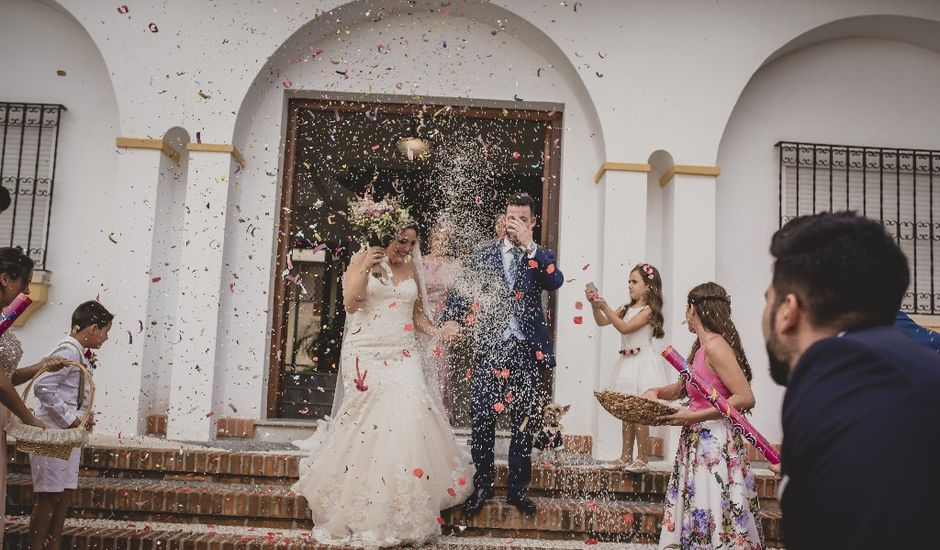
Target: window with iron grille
(29, 135)
(894, 186)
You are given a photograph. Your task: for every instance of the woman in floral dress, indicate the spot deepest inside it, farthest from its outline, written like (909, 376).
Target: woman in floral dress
(710, 501)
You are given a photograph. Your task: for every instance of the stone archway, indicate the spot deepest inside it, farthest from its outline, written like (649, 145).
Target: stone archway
(820, 88)
(306, 61)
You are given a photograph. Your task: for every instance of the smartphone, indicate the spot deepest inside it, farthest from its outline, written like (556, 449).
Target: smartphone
(591, 287)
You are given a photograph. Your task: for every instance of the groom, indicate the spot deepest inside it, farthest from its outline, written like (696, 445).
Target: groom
(499, 298)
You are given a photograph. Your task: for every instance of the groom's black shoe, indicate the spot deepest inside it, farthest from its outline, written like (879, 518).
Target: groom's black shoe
(523, 503)
(476, 501)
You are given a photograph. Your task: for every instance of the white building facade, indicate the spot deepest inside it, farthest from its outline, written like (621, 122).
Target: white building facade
(672, 111)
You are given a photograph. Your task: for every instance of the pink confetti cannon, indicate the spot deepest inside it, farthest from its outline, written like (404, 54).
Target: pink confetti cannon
(738, 422)
(12, 311)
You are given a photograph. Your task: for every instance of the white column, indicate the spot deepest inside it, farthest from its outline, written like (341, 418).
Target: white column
(197, 313)
(125, 282)
(624, 239)
(689, 248)
(688, 260)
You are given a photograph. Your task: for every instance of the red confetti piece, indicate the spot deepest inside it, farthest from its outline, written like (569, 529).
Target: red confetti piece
(516, 155)
(409, 327)
(539, 355)
(533, 264)
(438, 352)
(287, 83)
(406, 353)
(418, 472)
(591, 541)
(393, 304)
(360, 379)
(579, 306)
(461, 482)
(451, 491)
(441, 520)
(585, 267)
(503, 373)
(509, 397)
(153, 27)
(578, 319)
(469, 372)
(628, 518)
(518, 295)
(550, 269)
(155, 280)
(591, 505)
(499, 407)
(122, 10)
(478, 200)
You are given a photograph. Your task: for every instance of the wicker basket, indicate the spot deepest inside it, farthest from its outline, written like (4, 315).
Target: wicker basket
(633, 408)
(50, 442)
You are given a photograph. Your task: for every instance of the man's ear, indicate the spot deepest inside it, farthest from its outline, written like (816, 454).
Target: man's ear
(789, 313)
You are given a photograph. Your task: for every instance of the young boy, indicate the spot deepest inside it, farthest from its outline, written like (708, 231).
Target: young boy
(63, 397)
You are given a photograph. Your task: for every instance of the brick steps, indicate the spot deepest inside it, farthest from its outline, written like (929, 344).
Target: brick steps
(577, 501)
(620, 521)
(82, 534)
(176, 501)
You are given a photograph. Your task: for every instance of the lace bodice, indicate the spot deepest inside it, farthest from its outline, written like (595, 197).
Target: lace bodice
(11, 351)
(386, 317)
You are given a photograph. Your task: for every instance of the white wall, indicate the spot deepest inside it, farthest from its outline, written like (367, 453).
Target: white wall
(635, 77)
(852, 91)
(35, 42)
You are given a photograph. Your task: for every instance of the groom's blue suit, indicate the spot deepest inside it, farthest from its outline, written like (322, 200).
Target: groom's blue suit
(499, 297)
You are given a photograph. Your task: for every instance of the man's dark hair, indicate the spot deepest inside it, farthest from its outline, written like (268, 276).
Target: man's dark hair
(845, 269)
(522, 199)
(90, 313)
(5, 198)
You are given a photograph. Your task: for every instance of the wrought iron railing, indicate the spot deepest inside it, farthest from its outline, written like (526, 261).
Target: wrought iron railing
(894, 186)
(29, 138)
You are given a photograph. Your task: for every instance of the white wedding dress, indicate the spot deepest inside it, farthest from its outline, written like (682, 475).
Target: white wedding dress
(388, 462)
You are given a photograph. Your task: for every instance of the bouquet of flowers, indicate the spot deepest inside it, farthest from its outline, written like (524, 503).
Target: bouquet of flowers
(377, 222)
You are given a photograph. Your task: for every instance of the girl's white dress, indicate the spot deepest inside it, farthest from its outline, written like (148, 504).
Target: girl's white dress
(639, 367)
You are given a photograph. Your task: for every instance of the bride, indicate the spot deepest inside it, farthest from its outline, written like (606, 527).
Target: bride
(384, 467)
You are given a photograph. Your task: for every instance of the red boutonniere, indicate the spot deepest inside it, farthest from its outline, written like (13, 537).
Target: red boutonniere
(92, 358)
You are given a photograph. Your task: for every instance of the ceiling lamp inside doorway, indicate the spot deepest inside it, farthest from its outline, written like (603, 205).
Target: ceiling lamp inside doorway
(414, 147)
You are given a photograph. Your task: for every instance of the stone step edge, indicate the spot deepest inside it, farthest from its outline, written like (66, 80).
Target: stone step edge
(545, 478)
(117, 533)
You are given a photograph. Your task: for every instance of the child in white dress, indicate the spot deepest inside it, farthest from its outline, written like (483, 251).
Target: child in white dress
(64, 401)
(639, 367)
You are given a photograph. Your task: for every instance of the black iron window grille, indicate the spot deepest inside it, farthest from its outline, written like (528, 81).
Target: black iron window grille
(893, 186)
(29, 137)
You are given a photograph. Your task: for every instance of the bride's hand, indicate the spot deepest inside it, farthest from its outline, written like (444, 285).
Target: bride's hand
(373, 257)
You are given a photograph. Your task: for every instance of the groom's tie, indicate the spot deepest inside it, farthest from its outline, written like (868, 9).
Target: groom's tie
(513, 269)
(512, 272)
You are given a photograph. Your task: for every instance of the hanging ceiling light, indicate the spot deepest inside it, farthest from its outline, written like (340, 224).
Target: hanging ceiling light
(414, 147)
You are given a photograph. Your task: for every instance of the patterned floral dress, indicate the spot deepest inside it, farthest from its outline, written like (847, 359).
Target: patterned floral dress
(10, 353)
(710, 501)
